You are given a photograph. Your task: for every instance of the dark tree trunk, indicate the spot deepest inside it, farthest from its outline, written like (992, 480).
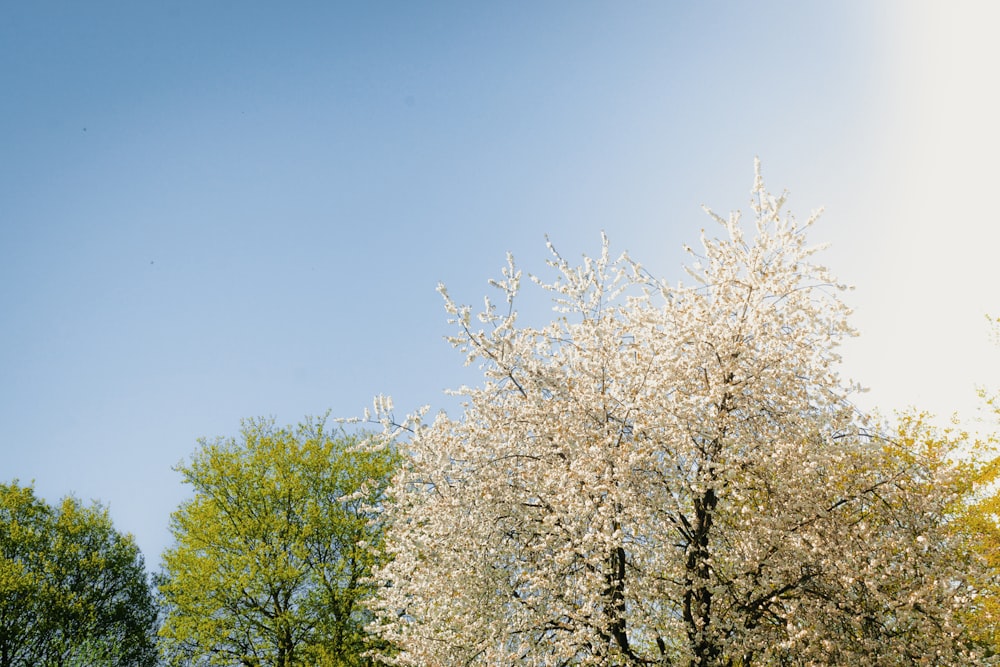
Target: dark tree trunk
(698, 593)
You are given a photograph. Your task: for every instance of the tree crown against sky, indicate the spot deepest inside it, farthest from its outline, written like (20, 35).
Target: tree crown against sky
(670, 475)
(273, 551)
(73, 590)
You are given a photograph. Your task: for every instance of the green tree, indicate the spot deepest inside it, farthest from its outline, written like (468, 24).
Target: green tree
(274, 551)
(980, 517)
(963, 470)
(72, 588)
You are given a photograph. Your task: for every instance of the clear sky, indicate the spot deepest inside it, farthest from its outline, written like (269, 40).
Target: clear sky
(211, 211)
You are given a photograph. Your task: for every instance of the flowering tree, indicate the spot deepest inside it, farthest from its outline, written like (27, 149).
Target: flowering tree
(668, 475)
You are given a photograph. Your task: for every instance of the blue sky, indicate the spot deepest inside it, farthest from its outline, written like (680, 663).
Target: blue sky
(211, 211)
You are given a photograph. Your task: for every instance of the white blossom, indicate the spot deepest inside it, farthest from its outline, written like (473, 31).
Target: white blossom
(665, 475)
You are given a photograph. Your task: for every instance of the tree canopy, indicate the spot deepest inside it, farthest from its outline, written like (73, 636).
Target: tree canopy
(979, 517)
(672, 474)
(73, 590)
(273, 551)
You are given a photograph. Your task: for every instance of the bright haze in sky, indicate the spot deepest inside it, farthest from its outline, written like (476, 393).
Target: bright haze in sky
(213, 211)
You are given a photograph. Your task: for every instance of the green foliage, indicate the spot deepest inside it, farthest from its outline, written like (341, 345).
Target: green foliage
(72, 589)
(980, 519)
(274, 551)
